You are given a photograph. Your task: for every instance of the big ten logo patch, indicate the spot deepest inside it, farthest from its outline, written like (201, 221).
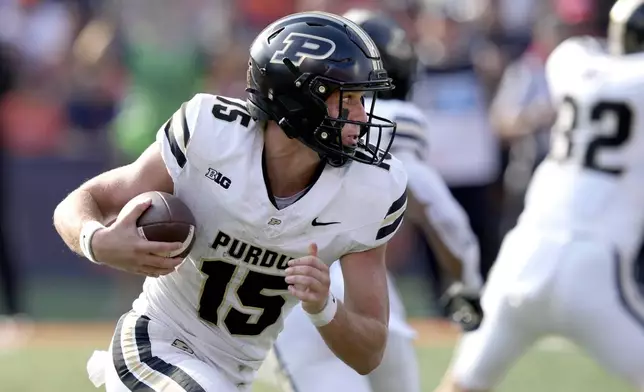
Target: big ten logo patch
(218, 178)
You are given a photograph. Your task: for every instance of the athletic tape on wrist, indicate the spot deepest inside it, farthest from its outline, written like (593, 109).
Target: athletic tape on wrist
(327, 314)
(87, 232)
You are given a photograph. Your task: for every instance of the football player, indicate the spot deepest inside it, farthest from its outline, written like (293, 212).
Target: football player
(570, 266)
(308, 182)
(300, 360)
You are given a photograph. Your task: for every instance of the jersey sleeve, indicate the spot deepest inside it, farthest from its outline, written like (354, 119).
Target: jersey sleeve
(447, 218)
(569, 61)
(411, 135)
(386, 204)
(176, 134)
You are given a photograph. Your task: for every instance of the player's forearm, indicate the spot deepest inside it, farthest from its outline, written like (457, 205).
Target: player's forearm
(457, 254)
(357, 340)
(418, 213)
(447, 259)
(77, 208)
(431, 207)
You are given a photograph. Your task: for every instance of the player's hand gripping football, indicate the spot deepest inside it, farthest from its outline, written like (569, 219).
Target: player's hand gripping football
(121, 247)
(309, 280)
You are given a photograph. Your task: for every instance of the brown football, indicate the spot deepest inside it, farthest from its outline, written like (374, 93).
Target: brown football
(168, 219)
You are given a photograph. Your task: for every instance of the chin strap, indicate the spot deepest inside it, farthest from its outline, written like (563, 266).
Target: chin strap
(292, 67)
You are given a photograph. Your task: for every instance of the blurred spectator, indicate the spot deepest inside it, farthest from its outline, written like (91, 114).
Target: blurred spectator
(39, 34)
(517, 16)
(584, 17)
(522, 114)
(33, 123)
(254, 15)
(452, 91)
(35, 37)
(40, 31)
(508, 23)
(167, 50)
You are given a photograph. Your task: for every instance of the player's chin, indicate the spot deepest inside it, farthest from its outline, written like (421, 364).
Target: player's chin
(350, 135)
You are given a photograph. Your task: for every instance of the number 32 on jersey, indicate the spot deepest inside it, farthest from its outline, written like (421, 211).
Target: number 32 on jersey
(584, 137)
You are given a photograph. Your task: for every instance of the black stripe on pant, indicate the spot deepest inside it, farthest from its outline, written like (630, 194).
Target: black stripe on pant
(144, 349)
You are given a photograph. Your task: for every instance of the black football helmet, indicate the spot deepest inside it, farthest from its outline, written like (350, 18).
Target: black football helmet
(397, 52)
(626, 27)
(297, 62)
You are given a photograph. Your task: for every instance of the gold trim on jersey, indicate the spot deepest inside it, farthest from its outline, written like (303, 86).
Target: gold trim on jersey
(393, 218)
(180, 128)
(131, 354)
(178, 135)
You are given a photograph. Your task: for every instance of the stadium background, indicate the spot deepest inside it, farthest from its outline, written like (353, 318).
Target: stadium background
(84, 85)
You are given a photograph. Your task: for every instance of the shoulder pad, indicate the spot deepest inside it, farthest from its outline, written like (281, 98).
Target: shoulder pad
(572, 57)
(382, 200)
(411, 130)
(177, 136)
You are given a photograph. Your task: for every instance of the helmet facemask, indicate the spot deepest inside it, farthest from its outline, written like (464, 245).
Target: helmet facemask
(303, 114)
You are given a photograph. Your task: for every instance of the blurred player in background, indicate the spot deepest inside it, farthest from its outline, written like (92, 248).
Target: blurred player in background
(301, 361)
(305, 187)
(570, 267)
(452, 90)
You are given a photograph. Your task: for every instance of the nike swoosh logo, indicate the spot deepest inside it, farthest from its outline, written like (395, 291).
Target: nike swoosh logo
(316, 223)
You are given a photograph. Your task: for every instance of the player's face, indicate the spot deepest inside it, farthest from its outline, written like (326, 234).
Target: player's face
(350, 101)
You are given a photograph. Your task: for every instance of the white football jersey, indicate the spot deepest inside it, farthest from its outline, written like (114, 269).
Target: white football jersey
(592, 180)
(230, 292)
(444, 213)
(412, 128)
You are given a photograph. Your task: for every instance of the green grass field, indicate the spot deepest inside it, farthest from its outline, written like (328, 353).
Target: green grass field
(55, 361)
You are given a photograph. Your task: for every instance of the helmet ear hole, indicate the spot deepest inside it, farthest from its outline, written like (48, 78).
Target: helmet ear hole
(291, 105)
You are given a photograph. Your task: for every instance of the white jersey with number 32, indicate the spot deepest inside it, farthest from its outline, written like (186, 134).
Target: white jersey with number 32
(593, 178)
